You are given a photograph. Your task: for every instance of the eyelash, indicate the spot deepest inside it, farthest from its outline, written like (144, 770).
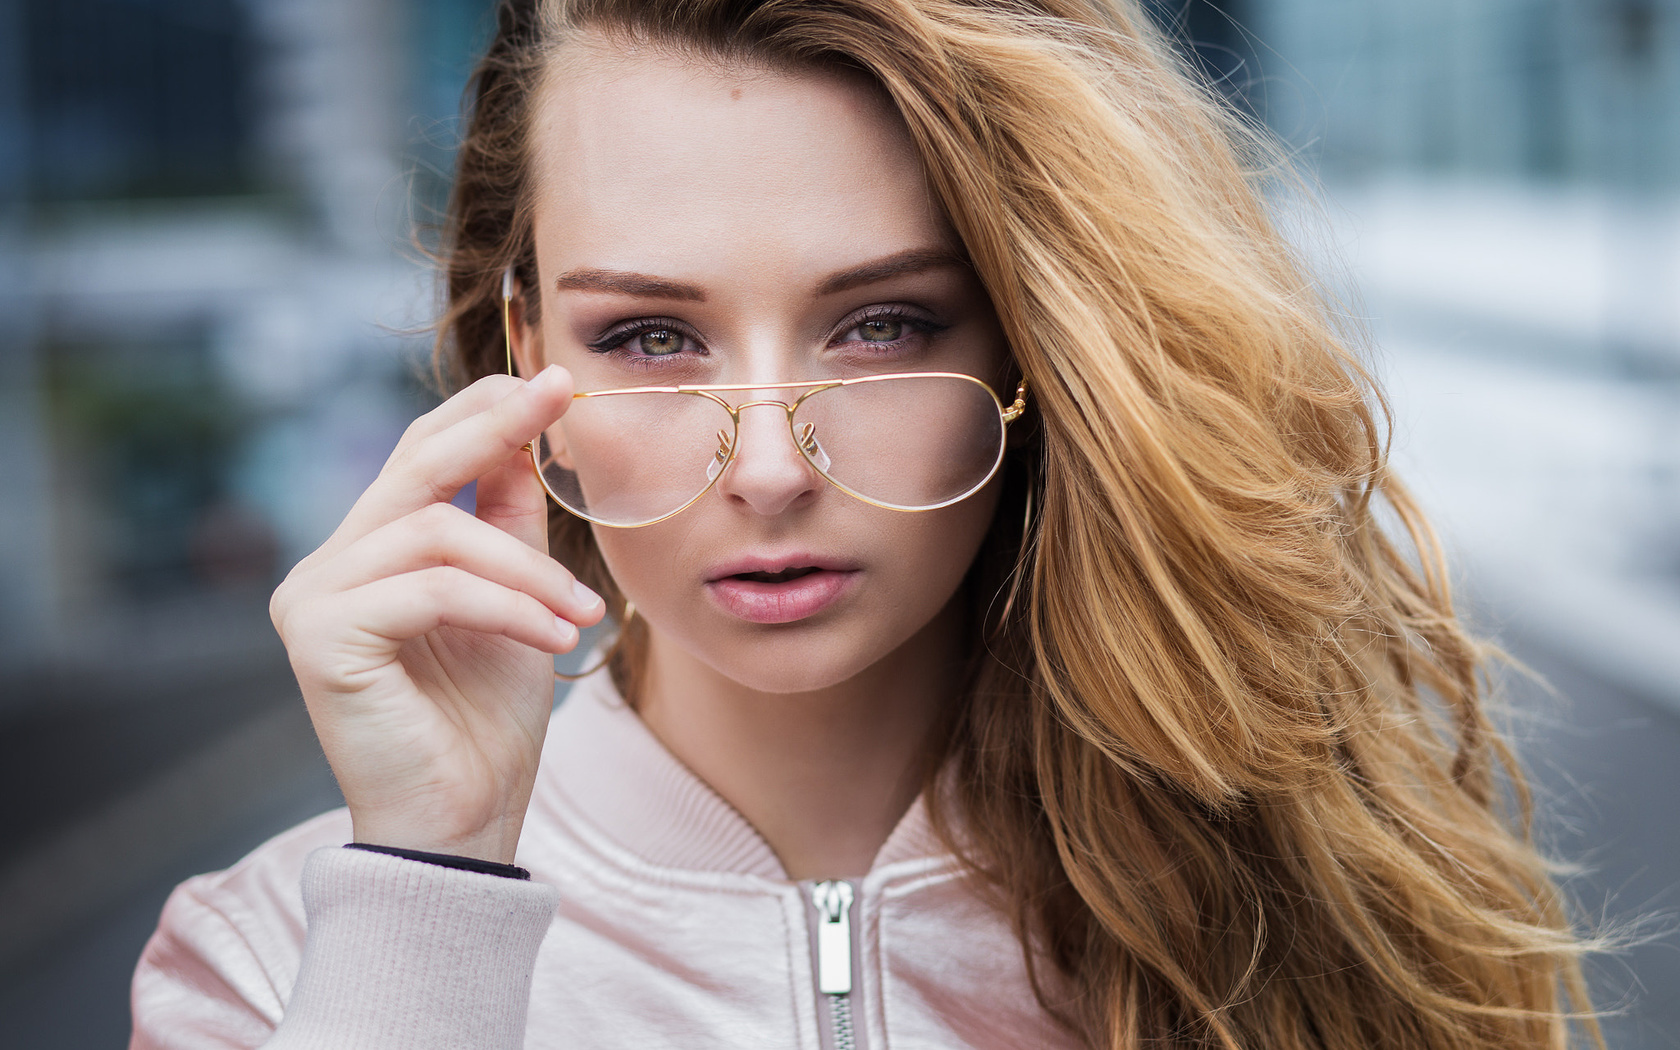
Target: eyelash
(613, 341)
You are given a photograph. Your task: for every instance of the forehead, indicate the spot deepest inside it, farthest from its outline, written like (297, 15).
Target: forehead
(651, 151)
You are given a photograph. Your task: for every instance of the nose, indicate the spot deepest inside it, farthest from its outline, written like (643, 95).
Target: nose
(768, 474)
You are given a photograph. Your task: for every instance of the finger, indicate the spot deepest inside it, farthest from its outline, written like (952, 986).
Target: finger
(472, 399)
(399, 609)
(439, 535)
(477, 397)
(438, 466)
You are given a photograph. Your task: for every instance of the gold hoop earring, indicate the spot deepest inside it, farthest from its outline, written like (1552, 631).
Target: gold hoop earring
(612, 650)
(1020, 561)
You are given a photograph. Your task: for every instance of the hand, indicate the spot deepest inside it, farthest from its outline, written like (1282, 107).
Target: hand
(422, 635)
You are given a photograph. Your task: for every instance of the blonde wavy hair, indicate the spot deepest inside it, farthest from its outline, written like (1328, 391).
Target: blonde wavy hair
(1223, 753)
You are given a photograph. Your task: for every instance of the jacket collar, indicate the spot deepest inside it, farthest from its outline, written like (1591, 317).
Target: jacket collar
(610, 767)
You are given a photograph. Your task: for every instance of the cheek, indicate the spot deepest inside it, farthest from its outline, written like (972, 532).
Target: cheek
(932, 551)
(650, 565)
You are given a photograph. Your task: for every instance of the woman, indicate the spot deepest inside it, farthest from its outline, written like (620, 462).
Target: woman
(1100, 715)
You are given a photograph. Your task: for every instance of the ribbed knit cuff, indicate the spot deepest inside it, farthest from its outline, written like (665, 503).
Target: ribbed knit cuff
(417, 956)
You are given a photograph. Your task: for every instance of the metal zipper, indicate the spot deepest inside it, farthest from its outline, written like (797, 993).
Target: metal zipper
(833, 900)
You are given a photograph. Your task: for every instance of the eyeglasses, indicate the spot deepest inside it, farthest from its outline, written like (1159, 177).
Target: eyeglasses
(906, 441)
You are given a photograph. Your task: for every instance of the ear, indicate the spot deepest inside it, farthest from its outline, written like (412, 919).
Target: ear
(525, 340)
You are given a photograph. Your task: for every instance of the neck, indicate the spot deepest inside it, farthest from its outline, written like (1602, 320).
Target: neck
(825, 775)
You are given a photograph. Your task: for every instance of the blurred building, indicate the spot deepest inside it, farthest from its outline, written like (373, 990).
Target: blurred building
(1544, 89)
(212, 305)
(206, 274)
(1502, 181)
(1556, 123)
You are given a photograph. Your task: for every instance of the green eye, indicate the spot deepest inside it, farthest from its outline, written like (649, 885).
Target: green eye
(881, 331)
(660, 342)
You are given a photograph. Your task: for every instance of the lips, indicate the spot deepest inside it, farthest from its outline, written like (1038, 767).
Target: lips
(773, 590)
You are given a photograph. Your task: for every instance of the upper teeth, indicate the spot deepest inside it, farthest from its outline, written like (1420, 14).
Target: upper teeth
(779, 574)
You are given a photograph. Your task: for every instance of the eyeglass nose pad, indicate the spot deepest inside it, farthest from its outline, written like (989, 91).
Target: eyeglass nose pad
(721, 456)
(809, 444)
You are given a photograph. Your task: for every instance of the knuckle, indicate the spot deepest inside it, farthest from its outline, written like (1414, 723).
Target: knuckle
(417, 471)
(449, 588)
(438, 583)
(416, 429)
(446, 535)
(411, 463)
(435, 522)
(297, 633)
(506, 603)
(522, 608)
(513, 442)
(284, 599)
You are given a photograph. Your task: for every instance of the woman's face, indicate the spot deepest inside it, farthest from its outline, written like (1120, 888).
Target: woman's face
(703, 224)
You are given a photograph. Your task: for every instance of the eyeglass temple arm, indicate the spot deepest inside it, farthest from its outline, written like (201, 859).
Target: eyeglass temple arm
(1014, 411)
(507, 314)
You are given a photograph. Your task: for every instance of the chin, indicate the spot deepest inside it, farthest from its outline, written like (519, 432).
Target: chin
(789, 659)
(789, 665)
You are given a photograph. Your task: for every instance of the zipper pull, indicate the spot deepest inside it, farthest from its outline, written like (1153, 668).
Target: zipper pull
(834, 936)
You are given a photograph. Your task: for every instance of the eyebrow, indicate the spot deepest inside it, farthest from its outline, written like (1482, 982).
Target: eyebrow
(623, 282)
(913, 260)
(647, 286)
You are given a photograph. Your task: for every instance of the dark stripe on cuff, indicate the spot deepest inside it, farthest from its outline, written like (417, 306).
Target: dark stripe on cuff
(447, 860)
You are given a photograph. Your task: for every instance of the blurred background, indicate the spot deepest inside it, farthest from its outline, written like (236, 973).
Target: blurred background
(210, 303)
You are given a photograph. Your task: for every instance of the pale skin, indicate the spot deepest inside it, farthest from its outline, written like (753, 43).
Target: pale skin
(783, 212)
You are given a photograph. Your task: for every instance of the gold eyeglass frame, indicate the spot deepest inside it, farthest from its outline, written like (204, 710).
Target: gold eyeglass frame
(729, 443)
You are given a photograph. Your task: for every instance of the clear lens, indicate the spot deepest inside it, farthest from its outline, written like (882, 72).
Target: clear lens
(627, 459)
(908, 442)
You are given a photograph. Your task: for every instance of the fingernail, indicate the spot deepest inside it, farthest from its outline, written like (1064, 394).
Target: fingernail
(585, 597)
(568, 630)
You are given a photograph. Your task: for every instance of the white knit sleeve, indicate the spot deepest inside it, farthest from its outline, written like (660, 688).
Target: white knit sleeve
(401, 953)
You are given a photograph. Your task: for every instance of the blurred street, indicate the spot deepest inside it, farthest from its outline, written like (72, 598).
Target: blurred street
(1608, 791)
(72, 992)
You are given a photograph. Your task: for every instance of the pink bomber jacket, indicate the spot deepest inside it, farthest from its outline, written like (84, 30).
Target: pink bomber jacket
(656, 917)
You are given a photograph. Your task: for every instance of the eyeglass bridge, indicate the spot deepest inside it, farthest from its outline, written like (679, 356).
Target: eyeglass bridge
(806, 439)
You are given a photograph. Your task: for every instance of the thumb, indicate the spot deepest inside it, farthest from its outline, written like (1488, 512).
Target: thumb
(511, 498)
